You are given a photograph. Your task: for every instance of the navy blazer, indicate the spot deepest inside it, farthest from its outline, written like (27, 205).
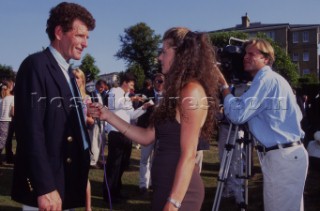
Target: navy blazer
(50, 154)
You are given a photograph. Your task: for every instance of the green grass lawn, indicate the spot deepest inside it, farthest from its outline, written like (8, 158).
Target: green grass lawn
(142, 203)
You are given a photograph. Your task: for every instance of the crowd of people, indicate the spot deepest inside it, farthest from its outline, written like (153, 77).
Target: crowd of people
(62, 128)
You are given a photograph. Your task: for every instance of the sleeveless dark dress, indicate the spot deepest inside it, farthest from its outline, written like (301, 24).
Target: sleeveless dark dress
(164, 167)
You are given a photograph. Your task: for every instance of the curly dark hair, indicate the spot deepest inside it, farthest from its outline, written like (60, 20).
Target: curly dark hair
(194, 60)
(64, 15)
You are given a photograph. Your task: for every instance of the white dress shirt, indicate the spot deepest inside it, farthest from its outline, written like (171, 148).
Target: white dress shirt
(120, 104)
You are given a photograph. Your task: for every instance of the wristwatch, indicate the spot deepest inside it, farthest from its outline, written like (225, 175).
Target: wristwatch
(175, 203)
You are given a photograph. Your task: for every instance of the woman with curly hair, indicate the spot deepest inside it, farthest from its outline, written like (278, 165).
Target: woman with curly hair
(185, 113)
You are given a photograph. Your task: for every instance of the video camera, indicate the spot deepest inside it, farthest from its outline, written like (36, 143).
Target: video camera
(230, 60)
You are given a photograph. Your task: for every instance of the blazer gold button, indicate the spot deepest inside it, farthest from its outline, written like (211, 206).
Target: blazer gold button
(69, 139)
(29, 184)
(69, 160)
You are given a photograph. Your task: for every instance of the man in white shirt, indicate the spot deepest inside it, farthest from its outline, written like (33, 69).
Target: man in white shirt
(119, 147)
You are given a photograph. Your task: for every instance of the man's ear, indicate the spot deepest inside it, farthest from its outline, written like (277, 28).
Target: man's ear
(266, 60)
(58, 32)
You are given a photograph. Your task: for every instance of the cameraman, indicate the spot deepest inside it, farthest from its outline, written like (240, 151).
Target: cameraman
(273, 116)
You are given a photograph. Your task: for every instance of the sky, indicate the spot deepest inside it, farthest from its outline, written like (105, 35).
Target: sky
(23, 22)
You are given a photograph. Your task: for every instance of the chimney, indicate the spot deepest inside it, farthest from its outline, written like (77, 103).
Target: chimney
(245, 21)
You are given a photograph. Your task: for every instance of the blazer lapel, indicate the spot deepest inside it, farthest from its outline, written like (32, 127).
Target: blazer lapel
(59, 78)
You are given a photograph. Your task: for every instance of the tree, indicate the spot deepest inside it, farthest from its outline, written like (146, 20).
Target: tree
(6, 72)
(140, 46)
(311, 78)
(138, 72)
(90, 70)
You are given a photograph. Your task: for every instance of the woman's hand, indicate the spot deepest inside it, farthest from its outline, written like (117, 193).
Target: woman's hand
(147, 105)
(169, 207)
(97, 110)
(136, 98)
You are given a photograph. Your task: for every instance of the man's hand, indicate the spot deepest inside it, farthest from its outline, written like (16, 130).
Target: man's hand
(147, 105)
(50, 201)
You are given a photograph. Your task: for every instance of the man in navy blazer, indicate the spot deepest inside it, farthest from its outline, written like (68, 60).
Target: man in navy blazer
(52, 157)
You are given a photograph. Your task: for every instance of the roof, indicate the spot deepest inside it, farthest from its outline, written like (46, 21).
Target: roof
(259, 25)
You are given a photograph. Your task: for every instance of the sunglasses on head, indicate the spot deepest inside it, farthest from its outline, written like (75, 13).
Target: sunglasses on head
(159, 81)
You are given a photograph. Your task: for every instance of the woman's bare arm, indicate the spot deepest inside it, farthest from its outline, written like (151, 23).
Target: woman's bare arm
(143, 136)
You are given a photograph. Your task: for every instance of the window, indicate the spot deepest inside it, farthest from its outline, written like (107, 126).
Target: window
(295, 57)
(271, 34)
(305, 36)
(305, 71)
(305, 56)
(295, 37)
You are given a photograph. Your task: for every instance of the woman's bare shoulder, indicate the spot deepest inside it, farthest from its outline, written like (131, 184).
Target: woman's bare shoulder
(193, 88)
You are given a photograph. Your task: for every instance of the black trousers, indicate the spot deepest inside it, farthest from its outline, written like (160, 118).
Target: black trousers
(9, 151)
(119, 152)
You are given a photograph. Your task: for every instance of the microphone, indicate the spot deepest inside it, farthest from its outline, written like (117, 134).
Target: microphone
(90, 88)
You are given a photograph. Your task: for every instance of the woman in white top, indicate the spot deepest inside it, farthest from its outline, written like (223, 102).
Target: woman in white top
(6, 111)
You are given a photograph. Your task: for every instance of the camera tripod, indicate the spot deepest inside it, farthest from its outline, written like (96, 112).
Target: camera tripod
(244, 160)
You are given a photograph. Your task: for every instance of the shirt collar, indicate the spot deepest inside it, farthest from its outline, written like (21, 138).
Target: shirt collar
(261, 72)
(155, 92)
(61, 61)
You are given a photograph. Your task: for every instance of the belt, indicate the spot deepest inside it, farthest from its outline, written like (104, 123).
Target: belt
(278, 146)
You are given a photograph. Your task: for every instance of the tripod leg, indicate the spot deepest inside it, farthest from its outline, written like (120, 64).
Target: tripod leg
(240, 166)
(225, 166)
(243, 154)
(245, 170)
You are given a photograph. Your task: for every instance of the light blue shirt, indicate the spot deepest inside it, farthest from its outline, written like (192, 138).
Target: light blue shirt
(269, 107)
(64, 65)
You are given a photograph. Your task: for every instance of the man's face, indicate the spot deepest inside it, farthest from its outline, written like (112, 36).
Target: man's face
(254, 60)
(72, 43)
(100, 88)
(158, 83)
(127, 86)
